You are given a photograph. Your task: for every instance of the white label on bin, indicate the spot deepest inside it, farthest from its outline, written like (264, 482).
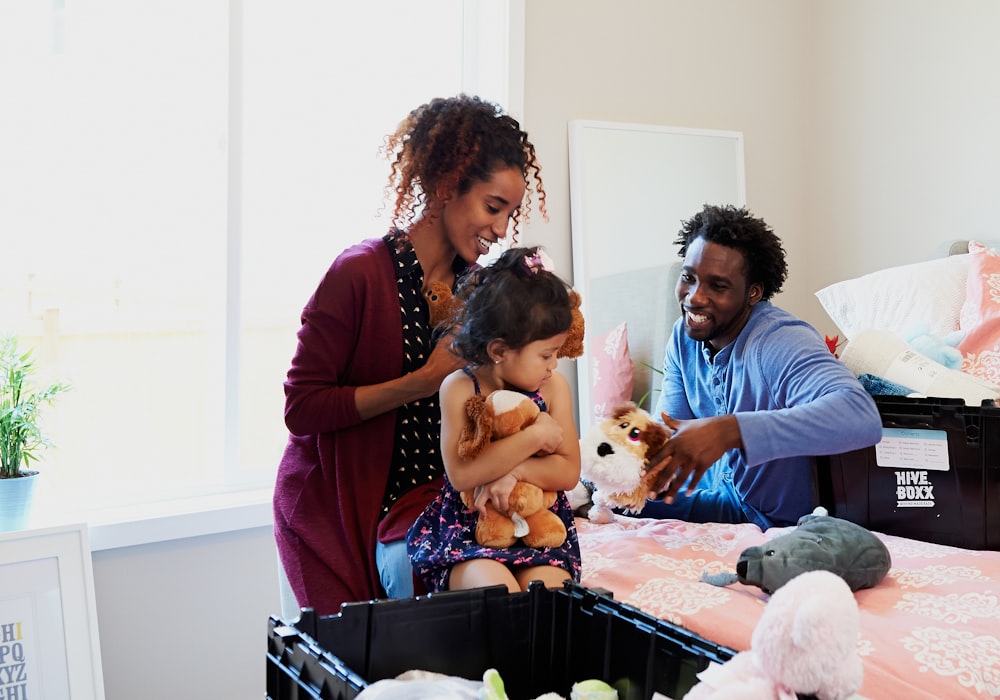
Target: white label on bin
(914, 453)
(913, 370)
(913, 448)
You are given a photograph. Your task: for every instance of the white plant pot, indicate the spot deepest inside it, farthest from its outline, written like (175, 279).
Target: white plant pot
(16, 498)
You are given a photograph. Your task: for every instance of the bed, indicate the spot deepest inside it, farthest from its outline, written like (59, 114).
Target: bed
(931, 628)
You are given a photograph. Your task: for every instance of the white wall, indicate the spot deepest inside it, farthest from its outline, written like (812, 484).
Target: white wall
(868, 124)
(187, 618)
(904, 135)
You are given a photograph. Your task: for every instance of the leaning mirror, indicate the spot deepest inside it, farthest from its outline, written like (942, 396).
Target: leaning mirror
(631, 186)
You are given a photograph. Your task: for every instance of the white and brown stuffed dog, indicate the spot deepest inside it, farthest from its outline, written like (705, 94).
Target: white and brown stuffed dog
(614, 453)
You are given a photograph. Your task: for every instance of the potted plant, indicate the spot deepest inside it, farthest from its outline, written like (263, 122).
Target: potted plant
(21, 438)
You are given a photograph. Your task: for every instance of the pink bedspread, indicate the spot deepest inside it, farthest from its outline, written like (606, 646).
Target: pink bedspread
(931, 629)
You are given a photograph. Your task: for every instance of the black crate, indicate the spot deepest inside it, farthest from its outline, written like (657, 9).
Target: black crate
(940, 482)
(541, 640)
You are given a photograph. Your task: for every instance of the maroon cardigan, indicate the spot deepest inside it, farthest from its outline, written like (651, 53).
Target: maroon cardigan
(334, 470)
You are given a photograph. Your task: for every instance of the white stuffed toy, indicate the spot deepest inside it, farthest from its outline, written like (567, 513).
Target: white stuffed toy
(805, 642)
(614, 455)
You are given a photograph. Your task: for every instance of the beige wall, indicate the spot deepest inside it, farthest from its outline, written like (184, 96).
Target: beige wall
(868, 124)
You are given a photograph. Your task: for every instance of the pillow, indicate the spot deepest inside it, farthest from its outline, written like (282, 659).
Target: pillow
(980, 315)
(612, 365)
(896, 299)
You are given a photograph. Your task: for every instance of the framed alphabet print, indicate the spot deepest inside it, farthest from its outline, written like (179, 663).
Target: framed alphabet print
(49, 644)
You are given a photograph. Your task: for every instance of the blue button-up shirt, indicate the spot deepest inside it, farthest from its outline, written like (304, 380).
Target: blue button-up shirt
(792, 398)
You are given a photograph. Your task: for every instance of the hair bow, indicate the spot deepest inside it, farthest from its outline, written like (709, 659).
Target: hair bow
(539, 261)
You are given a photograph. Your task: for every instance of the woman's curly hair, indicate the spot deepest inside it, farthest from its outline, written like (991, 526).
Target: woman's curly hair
(448, 144)
(734, 227)
(510, 300)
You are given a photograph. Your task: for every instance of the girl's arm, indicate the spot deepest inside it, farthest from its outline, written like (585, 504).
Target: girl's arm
(499, 458)
(559, 471)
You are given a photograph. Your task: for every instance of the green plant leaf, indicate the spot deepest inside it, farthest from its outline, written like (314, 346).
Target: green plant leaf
(642, 399)
(21, 438)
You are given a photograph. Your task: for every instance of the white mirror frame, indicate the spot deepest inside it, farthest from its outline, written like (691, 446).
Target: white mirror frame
(631, 186)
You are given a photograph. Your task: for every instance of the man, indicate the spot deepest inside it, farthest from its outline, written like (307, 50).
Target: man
(751, 392)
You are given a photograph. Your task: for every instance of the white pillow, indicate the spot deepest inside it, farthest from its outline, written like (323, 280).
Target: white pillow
(898, 299)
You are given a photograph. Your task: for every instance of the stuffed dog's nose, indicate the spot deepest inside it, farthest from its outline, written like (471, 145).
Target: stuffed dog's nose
(604, 449)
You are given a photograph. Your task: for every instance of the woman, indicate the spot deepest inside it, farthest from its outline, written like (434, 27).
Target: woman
(361, 398)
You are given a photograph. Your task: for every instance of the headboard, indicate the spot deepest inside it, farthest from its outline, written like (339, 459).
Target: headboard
(631, 186)
(644, 299)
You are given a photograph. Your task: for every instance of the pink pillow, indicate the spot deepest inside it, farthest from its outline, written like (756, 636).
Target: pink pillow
(980, 316)
(613, 370)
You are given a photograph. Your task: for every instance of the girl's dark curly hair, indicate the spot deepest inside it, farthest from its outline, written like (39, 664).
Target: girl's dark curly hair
(735, 227)
(511, 301)
(449, 143)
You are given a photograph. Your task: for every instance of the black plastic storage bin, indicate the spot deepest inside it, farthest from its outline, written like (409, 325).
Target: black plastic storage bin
(541, 640)
(939, 482)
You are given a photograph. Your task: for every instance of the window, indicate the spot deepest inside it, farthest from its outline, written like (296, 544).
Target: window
(175, 177)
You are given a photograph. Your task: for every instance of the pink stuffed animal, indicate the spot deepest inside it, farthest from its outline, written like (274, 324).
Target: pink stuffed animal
(805, 642)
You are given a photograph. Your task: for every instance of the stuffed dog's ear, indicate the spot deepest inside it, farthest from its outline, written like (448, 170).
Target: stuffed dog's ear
(478, 427)
(573, 345)
(655, 436)
(622, 409)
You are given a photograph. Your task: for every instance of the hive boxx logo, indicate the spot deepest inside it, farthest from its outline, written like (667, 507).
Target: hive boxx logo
(914, 489)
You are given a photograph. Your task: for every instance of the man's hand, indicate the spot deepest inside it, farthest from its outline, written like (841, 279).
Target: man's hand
(695, 446)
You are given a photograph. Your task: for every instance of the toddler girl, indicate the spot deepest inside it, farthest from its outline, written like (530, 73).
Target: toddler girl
(514, 321)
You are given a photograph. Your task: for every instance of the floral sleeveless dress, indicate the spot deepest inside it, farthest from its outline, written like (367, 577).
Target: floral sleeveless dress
(444, 535)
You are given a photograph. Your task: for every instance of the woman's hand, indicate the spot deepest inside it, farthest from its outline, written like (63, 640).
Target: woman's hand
(441, 362)
(497, 492)
(375, 399)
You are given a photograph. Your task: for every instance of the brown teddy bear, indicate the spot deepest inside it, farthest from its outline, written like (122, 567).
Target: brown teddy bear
(529, 519)
(440, 302)
(573, 346)
(491, 417)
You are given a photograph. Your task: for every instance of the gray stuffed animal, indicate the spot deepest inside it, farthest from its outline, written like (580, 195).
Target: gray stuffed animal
(818, 542)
